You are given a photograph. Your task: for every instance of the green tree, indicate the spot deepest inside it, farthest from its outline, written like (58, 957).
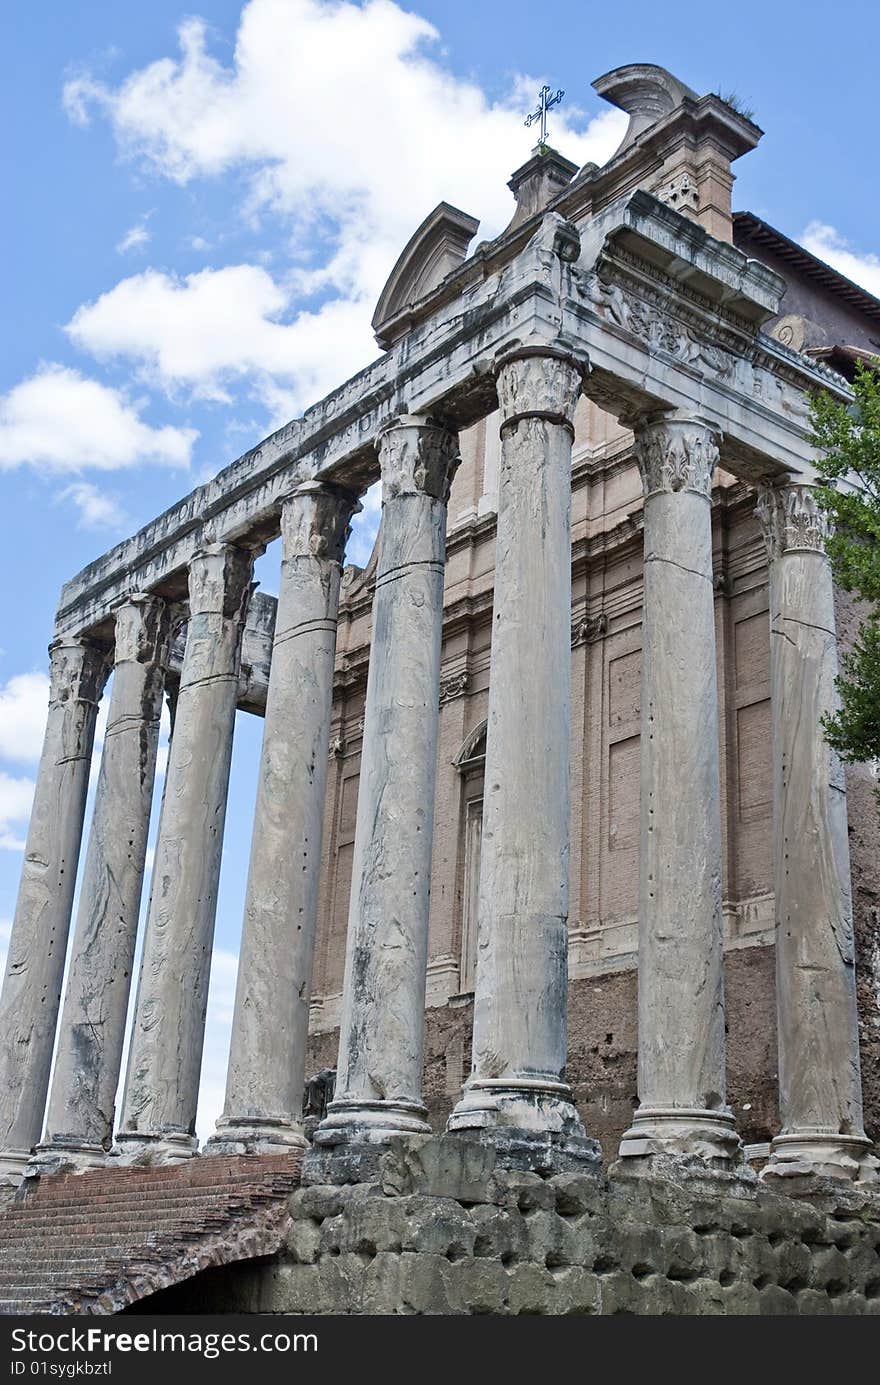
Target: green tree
(848, 439)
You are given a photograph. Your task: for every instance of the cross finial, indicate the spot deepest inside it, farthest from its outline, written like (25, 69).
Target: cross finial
(546, 100)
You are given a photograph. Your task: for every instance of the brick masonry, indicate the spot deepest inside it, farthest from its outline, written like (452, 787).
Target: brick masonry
(94, 1242)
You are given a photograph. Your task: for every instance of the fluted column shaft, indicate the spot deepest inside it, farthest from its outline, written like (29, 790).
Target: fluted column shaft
(820, 1091)
(79, 1124)
(683, 1111)
(38, 943)
(379, 1082)
(162, 1081)
(520, 1033)
(264, 1087)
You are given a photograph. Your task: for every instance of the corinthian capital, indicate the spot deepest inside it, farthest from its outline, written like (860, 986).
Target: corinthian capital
(78, 671)
(676, 455)
(538, 385)
(316, 521)
(221, 581)
(141, 632)
(417, 457)
(791, 520)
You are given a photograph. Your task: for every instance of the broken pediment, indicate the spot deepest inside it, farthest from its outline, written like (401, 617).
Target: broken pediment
(678, 145)
(437, 248)
(646, 92)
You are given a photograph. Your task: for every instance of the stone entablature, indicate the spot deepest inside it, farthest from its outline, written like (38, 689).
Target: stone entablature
(757, 397)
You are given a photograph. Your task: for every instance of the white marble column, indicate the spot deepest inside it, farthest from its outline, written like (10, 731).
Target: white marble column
(379, 1081)
(164, 1062)
(682, 1110)
(264, 1086)
(79, 1124)
(38, 944)
(820, 1090)
(517, 1087)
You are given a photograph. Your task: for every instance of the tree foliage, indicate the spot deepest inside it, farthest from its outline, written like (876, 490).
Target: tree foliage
(848, 439)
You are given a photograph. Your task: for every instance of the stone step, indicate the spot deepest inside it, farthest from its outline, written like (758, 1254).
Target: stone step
(42, 1215)
(207, 1174)
(75, 1193)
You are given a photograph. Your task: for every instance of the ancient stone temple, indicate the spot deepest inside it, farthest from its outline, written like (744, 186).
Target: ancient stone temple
(551, 866)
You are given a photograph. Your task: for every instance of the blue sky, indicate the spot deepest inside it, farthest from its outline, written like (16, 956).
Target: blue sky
(203, 204)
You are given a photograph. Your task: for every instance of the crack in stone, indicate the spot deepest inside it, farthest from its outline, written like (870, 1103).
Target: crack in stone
(657, 558)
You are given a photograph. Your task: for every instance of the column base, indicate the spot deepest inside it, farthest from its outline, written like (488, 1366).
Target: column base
(140, 1148)
(532, 1124)
(255, 1136)
(801, 1162)
(66, 1156)
(13, 1166)
(686, 1138)
(354, 1136)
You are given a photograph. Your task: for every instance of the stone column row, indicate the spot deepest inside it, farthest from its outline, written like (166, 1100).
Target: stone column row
(517, 1093)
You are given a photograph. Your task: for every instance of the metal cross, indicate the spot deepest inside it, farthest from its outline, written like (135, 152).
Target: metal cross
(546, 100)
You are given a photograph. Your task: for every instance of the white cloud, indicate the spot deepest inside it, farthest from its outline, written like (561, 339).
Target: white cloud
(136, 237)
(16, 796)
(23, 702)
(829, 245)
(60, 420)
(218, 1030)
(97, 509)
(208, 328)
(348, 127)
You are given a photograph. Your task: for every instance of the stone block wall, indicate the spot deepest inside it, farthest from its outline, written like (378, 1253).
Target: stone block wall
(445, 1231)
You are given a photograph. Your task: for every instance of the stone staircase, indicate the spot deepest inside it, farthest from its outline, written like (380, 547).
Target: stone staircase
(95, 1242)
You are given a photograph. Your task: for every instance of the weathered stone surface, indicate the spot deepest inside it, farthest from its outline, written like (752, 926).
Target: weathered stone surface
(378, 1087)
(162, 1083)
(520, 1043)
(820, 1093)
(79, 1123)
(38, 941)
(682, 1098)
(267, 1056)
(642, 1245)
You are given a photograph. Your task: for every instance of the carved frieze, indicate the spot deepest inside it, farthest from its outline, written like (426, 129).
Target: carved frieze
(668, 318)
(676, 455)
(791, 520)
